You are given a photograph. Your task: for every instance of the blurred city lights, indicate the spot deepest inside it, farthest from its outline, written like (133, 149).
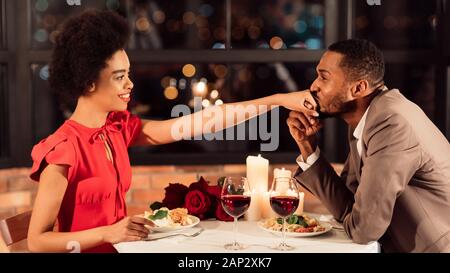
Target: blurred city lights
(189, 70)
(214, 94)
(276, 43)
(170, 93)
(199, 89)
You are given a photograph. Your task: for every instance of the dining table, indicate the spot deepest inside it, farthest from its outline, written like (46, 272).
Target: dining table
(210, 236)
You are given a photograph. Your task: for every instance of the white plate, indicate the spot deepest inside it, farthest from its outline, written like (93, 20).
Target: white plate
(327, 227)
(195, 221)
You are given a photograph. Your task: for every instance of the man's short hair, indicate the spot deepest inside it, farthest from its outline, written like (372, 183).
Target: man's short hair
(362, 60)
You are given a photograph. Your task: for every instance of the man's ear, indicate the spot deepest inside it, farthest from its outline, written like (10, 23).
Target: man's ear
(360, 88)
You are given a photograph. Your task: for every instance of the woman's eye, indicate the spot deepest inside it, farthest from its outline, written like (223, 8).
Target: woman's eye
(120, 78)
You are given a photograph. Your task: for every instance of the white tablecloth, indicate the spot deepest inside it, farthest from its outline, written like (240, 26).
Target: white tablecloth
(218, 233)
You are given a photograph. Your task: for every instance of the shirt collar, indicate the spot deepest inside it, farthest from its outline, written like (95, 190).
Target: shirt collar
(357, 133)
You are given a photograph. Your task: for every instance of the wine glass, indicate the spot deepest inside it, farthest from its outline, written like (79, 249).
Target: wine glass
(284, 200)
(235, 198)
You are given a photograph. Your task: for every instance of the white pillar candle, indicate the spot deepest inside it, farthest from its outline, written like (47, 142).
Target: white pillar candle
(282, 177)
(301, 202)
(254, 211)
(258, 173)
(281, 173)
(267, 211)
(258, 179)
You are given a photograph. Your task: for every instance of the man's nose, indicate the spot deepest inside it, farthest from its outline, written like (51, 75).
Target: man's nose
(314, 86)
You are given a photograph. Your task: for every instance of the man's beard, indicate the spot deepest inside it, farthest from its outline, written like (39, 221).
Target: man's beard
(341, 106)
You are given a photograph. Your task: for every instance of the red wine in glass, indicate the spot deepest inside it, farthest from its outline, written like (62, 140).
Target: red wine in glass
(235, 205)
(235, 199)
(284, 199)
(284, 205)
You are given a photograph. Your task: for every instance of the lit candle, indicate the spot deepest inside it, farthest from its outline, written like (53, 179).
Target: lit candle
(258, 179)
(282, 173)
(301, 201)
(267, 211)
(285, 175)
(282, 177)
(258, 173)
(254, 211)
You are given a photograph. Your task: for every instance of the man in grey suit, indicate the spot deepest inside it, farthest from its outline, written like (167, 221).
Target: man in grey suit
(395, 185)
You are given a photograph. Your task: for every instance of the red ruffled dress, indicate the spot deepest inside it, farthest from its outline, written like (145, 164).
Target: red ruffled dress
(96, 191)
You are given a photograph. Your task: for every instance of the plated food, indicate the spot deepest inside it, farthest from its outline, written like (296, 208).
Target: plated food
(170, 220)
(296, 225)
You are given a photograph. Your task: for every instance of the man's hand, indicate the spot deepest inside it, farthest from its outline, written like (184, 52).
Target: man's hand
(304, 129)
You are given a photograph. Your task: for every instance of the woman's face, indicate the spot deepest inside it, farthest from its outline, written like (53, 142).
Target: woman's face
(112, 91)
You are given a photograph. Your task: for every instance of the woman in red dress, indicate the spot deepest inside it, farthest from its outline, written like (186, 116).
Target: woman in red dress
(83, 168)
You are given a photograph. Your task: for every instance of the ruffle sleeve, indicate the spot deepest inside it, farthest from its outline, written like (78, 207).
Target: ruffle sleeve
(131, 125)
(56, 149)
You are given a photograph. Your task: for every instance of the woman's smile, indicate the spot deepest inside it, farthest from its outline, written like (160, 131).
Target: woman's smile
(126, 97)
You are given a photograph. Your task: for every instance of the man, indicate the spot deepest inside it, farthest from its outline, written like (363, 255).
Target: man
(395, 185)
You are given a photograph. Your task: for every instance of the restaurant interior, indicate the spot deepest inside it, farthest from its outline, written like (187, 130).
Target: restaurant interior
(221, 52)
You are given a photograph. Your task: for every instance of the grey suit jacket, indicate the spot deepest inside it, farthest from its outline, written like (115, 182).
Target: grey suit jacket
(398, 192)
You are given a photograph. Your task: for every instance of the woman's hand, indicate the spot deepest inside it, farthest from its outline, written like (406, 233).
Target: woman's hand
(300, 101)
(127, 229)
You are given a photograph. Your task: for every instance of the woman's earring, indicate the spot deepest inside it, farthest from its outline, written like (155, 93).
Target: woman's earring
(92, 88)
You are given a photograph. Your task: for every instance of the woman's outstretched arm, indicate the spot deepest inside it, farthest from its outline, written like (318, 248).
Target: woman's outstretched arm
(217, 118)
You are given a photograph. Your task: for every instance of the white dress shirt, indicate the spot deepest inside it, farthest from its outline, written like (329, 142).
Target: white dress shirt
(357, 133)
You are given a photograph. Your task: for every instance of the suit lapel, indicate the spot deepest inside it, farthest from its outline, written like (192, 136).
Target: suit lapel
(356, 159)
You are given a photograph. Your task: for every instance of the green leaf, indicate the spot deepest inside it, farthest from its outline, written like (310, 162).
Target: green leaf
(159, 215)
(156, 205)
(301, 221)
(280, 220)
(292, 219)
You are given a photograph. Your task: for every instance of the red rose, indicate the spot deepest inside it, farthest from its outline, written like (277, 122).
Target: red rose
(218, 212)
(197, 203)
(201, 185)
(214, 191)
(175, 195)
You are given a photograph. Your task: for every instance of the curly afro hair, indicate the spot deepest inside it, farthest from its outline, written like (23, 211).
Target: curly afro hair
(81, 50)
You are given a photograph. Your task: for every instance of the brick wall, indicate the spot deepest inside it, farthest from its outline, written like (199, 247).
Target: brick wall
(17, 191)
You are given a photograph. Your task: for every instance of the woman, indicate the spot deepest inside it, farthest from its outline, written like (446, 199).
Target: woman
(83, 168)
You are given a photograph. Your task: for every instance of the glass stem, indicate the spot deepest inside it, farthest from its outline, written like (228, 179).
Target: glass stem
(235, 231)
(284, 231)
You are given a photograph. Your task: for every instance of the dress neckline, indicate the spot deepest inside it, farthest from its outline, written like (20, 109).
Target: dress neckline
(84, 127)
(90, 129)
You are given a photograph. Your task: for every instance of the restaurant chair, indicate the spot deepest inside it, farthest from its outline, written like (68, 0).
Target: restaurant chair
(13, 230)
